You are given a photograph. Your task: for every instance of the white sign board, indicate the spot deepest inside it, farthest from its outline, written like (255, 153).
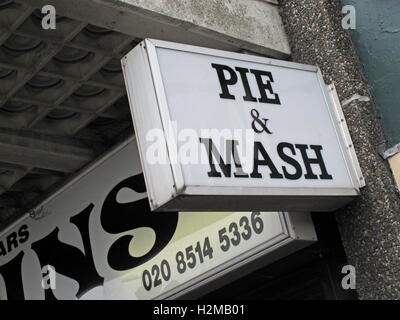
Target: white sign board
(96, 238)
(223, 130)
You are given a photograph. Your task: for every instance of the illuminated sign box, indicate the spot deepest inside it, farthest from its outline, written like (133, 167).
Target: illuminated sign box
(224, 131)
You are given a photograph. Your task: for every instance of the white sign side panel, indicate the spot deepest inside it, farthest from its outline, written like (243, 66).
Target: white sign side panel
(148, 126)
(302, 118)
(170, 130)
(348, 145)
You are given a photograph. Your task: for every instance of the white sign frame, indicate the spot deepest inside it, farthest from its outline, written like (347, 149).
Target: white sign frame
(150, 110)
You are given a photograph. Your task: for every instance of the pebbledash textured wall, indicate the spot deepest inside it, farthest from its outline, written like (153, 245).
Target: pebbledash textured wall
(369, 226)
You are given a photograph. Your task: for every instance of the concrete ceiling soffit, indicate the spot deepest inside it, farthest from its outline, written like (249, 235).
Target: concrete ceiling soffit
(250, 25)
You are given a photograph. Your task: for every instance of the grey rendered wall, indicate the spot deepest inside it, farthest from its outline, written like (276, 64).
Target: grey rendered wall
(369, 226)
(377, 38)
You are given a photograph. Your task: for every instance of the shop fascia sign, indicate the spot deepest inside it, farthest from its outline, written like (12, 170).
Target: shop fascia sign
(224, 131)
(95, 238)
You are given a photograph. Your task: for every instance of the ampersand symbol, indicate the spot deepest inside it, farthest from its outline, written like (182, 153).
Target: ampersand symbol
(261, 122)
